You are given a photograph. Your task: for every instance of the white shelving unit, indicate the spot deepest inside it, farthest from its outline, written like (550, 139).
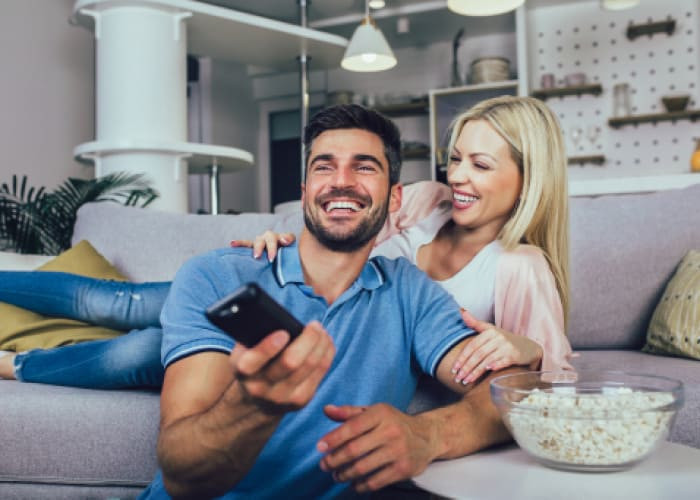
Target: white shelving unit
(141, 110)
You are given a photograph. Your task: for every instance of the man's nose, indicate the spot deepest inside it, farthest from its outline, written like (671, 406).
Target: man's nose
(344, 176)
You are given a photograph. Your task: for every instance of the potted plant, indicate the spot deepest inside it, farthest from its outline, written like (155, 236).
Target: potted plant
(40, 222)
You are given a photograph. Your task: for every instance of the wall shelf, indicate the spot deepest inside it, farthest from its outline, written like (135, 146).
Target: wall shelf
(412, 108)
(692, 115)
(624, 185)
(589, 159)
(578, 90)
(416, 153)
(636, 30)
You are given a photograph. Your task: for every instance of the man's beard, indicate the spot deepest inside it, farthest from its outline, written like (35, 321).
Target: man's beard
(348, 240)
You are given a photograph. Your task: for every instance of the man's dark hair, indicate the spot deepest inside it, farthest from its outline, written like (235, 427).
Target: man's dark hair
(344, 116)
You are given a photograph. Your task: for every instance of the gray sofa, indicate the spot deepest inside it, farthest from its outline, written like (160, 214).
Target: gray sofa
(58, 442)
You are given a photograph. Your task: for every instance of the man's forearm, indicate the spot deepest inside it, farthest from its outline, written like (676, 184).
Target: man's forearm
(469, 425)
(206, 454)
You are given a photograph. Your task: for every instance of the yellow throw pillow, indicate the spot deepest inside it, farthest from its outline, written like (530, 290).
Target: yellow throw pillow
(675, 326)
(21, 330)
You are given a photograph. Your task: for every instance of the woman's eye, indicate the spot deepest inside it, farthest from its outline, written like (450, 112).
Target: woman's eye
(455, 159)
(481, 166)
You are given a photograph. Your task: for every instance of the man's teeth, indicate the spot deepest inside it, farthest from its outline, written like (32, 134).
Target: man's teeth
(464, 198)
(355, 207)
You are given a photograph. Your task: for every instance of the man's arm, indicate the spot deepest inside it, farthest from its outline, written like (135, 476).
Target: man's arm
(380, 445)
(217, 412)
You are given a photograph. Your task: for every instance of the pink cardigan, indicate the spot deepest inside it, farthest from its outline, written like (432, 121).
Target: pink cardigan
(526, 300)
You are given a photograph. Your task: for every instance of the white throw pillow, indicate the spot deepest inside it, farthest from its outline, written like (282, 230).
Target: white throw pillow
(10, 261)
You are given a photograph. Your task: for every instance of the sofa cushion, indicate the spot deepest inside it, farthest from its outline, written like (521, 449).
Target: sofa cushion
(624, 250)
(151, 245)
(63, 435)
(675, 325)
(22, 330)
(686, 429)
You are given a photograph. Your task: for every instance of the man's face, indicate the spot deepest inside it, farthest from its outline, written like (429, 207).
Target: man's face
(346, 196)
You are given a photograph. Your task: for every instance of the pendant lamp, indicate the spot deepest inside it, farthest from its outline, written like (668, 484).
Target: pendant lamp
(618, 4)
(483, 7)
(368, 50)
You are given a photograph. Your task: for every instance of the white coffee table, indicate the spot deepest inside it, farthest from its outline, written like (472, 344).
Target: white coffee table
(672, 472)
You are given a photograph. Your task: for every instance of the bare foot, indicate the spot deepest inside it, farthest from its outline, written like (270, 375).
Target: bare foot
(7, 367)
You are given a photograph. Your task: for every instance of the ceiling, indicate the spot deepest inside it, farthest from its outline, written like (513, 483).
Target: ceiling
(429, 20)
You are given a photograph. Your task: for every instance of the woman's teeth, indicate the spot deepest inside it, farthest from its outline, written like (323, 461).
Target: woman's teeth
(461, 198)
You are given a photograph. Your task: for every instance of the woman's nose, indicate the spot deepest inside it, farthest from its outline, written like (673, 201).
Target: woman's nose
(458, 173)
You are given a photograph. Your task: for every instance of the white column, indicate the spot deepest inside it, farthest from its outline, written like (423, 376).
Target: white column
(141, 86)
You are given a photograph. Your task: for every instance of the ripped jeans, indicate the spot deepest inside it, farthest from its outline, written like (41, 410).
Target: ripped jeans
(130, 360)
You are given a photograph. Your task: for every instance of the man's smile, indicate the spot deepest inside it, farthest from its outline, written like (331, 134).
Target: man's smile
(343, 206)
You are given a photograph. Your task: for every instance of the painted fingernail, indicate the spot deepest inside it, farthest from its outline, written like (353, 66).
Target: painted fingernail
(322, 446)
(233, 243)
(323, 467)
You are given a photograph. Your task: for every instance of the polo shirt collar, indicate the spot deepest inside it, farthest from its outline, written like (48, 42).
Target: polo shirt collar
(288, 269)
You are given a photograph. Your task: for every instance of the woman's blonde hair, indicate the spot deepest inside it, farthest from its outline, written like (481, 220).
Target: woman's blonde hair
(541, 217)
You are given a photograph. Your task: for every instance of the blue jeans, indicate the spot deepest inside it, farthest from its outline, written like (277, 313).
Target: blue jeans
(130, 360)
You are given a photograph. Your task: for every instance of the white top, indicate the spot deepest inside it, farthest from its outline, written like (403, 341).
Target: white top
(481, 270)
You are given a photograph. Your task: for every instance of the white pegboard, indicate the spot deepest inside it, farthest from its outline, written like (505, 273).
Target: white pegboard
(581, 37)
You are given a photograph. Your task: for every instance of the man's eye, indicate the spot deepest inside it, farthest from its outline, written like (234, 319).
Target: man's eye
(366, 168)
(319, 168)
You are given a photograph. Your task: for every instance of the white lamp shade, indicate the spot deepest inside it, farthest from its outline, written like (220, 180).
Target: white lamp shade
(368, 50)
(483, 7)
(618, 4)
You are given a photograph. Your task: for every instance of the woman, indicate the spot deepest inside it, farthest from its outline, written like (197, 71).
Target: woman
(500, 247)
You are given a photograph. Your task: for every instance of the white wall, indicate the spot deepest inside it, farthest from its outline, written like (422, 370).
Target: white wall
(46, 91)
(235, 124)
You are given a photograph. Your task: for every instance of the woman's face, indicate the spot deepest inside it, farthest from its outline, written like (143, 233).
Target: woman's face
(484, 178)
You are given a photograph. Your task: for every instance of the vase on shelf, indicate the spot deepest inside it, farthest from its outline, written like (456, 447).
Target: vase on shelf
(695, 157)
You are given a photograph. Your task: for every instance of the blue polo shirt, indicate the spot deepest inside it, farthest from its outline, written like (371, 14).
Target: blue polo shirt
(391, 325)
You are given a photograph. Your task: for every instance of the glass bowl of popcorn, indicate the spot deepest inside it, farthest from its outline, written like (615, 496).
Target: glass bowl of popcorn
(587, 420)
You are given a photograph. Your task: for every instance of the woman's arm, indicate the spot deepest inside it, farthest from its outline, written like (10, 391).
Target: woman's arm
(527, 303)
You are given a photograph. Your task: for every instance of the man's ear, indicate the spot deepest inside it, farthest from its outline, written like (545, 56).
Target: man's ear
(395, 197)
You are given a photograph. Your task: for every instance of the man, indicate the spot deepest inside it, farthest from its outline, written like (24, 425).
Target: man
(319, 416)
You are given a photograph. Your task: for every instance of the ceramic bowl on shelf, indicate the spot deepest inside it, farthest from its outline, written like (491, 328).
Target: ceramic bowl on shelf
(587, 420)
(675, 102)
(489, 69)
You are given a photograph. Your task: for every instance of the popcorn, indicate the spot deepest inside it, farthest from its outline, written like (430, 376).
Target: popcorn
(617, 426)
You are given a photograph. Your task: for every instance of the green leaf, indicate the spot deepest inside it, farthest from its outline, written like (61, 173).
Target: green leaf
(33, 220)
